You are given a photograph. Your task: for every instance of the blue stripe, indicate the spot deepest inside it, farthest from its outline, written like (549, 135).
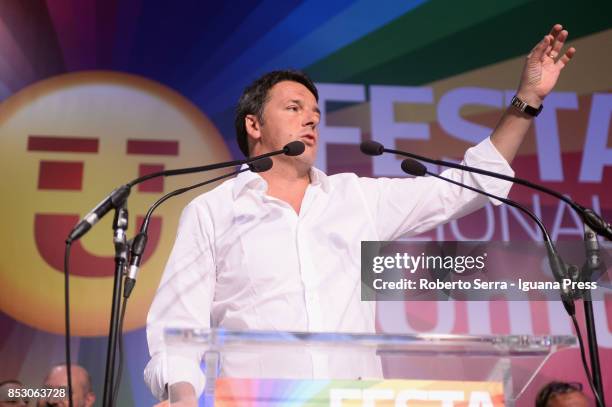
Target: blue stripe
(223, 90)
(284, 47)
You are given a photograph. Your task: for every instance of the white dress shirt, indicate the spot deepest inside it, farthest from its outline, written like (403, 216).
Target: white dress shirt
(245, 260)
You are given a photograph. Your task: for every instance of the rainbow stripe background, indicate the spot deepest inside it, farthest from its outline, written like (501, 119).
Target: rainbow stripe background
(208, 51)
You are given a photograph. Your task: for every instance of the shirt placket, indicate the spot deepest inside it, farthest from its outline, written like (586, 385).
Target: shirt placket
(303, 239)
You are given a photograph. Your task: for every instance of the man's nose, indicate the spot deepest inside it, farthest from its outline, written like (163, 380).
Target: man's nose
(311, 120)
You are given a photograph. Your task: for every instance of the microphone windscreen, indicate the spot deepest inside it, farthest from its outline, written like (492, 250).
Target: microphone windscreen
(261, 165)
(413, 167)
(294, 148)
(371, 147)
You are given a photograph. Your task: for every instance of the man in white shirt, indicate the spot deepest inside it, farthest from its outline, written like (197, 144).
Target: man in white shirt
(280, 250)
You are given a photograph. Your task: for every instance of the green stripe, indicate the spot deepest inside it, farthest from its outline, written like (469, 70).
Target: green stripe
(439, 40)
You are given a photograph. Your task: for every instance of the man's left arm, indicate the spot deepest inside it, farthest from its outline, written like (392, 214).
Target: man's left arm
(402, 207)
(540, 74)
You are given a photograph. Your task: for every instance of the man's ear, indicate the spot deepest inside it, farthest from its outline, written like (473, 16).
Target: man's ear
(253, 126)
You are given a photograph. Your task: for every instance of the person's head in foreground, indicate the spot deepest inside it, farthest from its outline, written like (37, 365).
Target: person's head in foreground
(8, 396)
(561, 394)
(82, 394)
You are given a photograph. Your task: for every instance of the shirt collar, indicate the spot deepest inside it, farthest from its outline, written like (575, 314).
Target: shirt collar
(248, 178)
(318, 177)
(253, 180)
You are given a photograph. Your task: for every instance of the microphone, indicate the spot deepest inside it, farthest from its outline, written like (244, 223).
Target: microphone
(557, 265)
(294, 148)
(589, 217)
(262, 165)
(593, 262)
(120, 195)
(114, 200)
(140, 241)
(413, 167)
(371, 147)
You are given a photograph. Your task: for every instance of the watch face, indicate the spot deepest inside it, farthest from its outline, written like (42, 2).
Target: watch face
(524, 107)
(516, 102)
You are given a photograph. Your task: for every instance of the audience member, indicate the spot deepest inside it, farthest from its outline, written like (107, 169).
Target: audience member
(82, 394)
(561, 394)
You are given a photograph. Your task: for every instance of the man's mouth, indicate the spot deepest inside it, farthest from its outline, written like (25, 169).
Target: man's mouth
(308, 139)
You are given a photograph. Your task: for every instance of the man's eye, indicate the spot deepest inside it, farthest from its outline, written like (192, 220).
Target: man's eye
(293, 108)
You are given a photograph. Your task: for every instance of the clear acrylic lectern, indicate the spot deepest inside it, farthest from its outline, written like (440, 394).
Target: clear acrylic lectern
(259, 368)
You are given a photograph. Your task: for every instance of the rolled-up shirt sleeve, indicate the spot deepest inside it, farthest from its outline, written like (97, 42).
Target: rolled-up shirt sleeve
(409, 206)
(183, 300)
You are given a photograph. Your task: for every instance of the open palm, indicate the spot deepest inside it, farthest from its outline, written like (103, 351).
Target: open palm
(543, 66)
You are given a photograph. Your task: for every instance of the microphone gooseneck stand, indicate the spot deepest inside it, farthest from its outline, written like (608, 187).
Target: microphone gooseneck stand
(118, 200)
(557, 265)
(120, 224)
(138, 246)
(140, 241)
(67, 322)
(137, 249)
(589, 217)
(593, 265)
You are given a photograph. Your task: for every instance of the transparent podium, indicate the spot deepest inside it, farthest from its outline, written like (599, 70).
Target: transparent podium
(260, 368)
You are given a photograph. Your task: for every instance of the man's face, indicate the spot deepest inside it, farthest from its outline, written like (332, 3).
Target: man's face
(290, 113)
(80, 397)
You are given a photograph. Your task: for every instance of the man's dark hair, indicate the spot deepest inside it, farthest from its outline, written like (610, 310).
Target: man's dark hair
(255, 96)
(547, 392)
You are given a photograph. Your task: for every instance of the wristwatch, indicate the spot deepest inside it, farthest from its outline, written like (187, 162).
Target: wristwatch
(524, 107)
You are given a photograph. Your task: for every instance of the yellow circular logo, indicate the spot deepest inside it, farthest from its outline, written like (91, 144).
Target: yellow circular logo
(65, 143)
